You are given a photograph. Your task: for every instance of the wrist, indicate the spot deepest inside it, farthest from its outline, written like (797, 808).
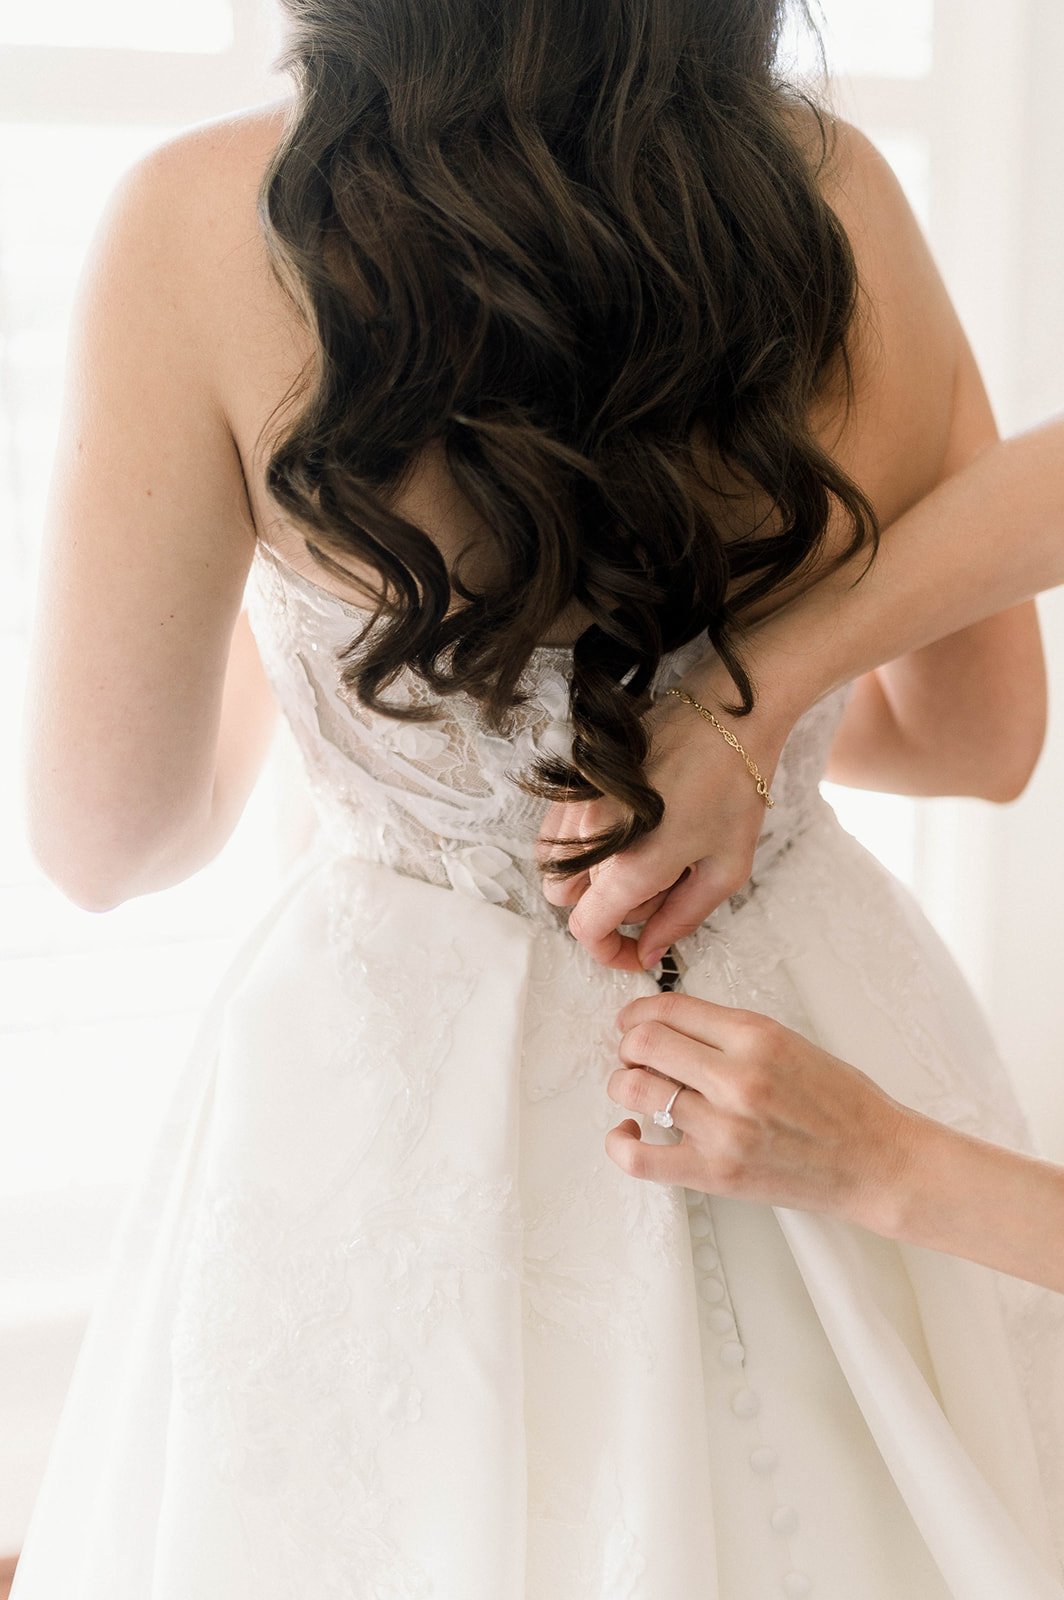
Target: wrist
(782, 696)
(958, 1193)
(902, 1192)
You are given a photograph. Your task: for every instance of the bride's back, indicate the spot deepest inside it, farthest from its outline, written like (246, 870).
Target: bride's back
(186, 349)
(389, 792)
(916, 393)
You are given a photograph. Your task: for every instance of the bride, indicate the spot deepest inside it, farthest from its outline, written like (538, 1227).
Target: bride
(510, 373)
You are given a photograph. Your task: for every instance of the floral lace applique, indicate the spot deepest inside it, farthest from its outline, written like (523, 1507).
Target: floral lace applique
(438, 800)
(576, 1287)
(301, 1328)
(281, 1347)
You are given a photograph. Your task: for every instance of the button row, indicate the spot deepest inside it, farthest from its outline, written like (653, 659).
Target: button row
(731, 1354)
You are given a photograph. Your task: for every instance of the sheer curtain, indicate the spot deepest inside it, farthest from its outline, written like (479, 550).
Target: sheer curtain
(97, 1011)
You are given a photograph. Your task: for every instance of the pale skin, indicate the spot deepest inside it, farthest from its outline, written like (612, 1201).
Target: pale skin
(150, 716)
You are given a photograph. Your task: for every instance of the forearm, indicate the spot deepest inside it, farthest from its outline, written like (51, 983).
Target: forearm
(986, 539)
(963, 716)
(978, 1200)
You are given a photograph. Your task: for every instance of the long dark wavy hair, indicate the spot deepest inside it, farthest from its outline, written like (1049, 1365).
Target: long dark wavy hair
(553, 238)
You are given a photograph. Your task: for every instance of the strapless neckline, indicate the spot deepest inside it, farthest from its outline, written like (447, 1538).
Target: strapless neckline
(361, 614)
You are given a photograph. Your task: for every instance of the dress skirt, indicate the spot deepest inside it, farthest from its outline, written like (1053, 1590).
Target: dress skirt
(383, 1321)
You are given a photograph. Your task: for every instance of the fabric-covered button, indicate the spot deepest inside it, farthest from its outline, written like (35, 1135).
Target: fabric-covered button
(796, 1586)
(711, 1290)
(699, 1223)
(721, 1320)
(784, 1520)
(706, 1257)
(731, 1353)
(763, 1460)
(745, 1403)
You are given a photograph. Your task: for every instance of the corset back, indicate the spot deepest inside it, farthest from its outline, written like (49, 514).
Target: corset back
(437, 800)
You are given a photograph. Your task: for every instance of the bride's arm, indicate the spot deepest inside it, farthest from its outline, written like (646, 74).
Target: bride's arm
(965, 715)
(148, 713)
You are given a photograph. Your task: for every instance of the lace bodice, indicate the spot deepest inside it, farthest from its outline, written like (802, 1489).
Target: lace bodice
(436, 800)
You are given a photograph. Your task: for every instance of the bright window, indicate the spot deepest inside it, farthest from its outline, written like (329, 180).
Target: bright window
(198, 25)
(879, 38)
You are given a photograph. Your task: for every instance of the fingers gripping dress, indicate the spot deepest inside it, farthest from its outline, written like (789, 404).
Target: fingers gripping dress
(384, 1322)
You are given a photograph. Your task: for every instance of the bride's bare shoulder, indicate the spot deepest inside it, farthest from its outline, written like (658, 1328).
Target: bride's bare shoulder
(197, 190)
(906, 344)
(206, 180)
(233, 147)
(200, 187)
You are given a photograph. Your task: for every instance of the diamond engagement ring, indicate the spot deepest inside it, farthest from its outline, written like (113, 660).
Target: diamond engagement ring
(663, 1119)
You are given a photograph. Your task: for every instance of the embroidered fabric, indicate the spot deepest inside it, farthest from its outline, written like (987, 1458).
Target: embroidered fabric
(438, 800)
(384, 1321)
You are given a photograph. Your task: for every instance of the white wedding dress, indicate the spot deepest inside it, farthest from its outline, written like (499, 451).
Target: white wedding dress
(384, 1322)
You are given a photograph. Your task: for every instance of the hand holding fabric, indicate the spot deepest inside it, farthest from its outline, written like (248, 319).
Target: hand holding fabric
(674, 878)
(763, 1113)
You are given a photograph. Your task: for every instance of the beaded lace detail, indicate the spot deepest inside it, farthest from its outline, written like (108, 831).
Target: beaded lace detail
(437, 800)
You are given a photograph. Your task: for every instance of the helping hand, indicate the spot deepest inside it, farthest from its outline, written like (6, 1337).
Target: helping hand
(700, 853)
(763, 1114)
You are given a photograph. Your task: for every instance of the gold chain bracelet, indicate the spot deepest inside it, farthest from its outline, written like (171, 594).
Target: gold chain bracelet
(751, 765)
